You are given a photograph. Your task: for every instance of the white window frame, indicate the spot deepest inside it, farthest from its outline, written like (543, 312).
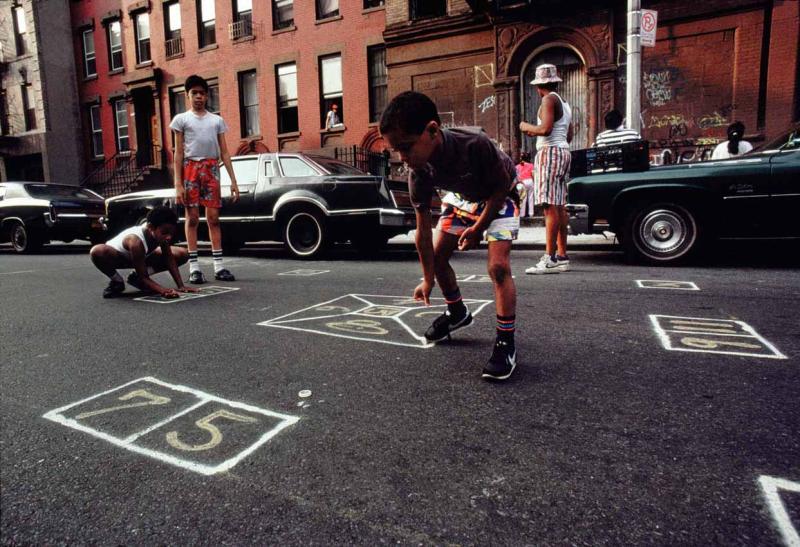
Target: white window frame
(115, 48)
(118, 127)
(244, 106)
(96, 129)
(89, 55)
(141, 29)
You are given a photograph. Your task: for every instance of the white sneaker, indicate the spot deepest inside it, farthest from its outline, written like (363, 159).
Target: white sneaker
(546, 265)
(562, 263)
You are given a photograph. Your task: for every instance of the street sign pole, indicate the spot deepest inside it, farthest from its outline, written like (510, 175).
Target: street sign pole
(633, 71)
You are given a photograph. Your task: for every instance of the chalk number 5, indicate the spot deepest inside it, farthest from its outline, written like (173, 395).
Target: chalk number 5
(205, 423)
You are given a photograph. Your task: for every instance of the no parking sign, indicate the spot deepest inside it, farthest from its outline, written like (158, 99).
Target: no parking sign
(648, 29)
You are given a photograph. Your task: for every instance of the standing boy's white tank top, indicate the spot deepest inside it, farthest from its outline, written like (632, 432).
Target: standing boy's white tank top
(138, 231)
(557, 137)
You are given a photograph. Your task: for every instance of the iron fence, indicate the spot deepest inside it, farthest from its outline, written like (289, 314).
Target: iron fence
(374, 163)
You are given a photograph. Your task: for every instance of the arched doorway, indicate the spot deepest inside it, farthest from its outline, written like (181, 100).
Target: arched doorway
(574, 90)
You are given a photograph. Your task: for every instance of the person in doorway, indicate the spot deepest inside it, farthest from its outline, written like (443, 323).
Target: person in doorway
(199, 145)
(615, 132)
(480, 181)
(332, 120)
(147, 250)
(553, 130)
(525, 176)
(734, 146)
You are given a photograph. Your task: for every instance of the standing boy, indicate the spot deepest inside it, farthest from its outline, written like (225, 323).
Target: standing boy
(551, 168)
(480, 180)
(147, 250)
(199, 144)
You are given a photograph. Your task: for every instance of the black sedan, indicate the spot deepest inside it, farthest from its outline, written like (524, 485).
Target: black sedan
(306, 201)
(34, 213)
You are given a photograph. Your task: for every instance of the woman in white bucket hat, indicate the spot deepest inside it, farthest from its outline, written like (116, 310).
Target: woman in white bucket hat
(553, 130)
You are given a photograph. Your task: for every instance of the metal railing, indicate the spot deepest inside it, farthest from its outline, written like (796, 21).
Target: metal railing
(242, 28)
(174, 47)
(122, 171)
(374, 163)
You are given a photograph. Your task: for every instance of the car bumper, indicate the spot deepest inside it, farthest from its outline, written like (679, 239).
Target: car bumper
(76, 223)
(397, 218)
(578, 218)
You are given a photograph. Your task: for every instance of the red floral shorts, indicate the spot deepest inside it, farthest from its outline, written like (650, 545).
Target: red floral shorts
(201, 180)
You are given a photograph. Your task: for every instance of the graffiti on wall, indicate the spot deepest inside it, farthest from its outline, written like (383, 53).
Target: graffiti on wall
(657, 87)
(487, 103)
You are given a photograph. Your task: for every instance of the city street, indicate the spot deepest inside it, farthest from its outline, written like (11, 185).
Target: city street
(301, 405)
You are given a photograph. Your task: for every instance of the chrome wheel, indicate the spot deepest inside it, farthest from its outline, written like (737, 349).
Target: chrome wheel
(661, 233)
(304, 234)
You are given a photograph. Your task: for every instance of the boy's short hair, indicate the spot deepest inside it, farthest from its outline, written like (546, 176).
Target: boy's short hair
(162, 215)
(193, 81)
(613, 119)
(409, 112)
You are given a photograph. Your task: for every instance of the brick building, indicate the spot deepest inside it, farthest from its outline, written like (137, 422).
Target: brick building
(714, 62)
(39, 126)
(275, 67)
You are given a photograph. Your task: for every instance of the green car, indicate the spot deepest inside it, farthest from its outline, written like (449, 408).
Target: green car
(664, 214)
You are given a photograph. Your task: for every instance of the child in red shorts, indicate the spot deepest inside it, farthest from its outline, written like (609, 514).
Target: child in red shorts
(199, 145)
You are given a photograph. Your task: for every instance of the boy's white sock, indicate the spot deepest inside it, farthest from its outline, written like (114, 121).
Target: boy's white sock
(194, 265)
(217, 255)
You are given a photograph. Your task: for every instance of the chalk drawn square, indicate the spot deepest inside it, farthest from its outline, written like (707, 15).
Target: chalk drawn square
(304, 273)
(217, 412)
(395, 320)
(783, 499)
(211, 290)
(663, 284)
(704, 335)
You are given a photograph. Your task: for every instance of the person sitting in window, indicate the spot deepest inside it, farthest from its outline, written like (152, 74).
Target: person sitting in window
(734, 146)
(615, 132)
(332, 120)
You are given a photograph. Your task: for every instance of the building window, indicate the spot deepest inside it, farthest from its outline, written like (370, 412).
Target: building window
(287, 98)
(20, 29)
(212, 105)
(248, 103)
(177, 101)
(327, 8)
(206, 19)
(121, 124)
(142, 37)
(172, 29)
(376, 57)
(330, 69)
(89, 60)
(29, 107)
(242, 19)
(115, 45)
(421, 9)
(282, 14)
(97, 131)
(373, 3)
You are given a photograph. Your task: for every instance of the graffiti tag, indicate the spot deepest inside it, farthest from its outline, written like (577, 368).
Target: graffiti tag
(487, 103)
(712, 120)
(658, 87)
(669, 120)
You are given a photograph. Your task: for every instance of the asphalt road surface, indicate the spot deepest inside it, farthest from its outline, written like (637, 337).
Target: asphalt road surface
(304, 408)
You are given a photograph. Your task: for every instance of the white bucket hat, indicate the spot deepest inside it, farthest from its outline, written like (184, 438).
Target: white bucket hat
(546, 74)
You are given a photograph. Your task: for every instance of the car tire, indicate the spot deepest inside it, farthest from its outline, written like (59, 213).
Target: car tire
(305, 234)
(661, 233)
(25, 240)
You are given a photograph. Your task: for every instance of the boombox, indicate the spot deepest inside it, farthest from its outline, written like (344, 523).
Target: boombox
(626, 157)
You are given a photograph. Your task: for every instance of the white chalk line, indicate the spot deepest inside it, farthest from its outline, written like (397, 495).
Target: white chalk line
(692, 286)
(189, 296)
(329, 333)
(285, 421)
(770, 487)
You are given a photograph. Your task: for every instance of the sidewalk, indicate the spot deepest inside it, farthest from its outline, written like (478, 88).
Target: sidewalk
(533, 238)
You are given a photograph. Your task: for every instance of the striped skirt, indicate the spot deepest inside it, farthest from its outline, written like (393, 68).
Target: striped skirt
(550, 175)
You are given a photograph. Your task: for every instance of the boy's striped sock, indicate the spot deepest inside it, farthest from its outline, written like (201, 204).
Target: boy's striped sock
(505, 328)
(194, 265)
(455, 304)
(217, 256)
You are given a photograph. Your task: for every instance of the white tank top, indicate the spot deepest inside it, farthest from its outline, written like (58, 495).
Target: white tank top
(557, 137)
(138, 231)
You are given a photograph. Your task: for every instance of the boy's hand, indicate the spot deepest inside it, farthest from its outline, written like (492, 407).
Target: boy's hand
(180, 193)
(170, 293)
(470, 238)
(184, 288)
(234, 192)
(423, 292)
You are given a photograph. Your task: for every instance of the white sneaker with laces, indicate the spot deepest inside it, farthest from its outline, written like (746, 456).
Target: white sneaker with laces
(562, 263)
(546, 265)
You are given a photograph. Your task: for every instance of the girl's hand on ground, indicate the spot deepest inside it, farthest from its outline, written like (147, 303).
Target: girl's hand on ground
(423, 292)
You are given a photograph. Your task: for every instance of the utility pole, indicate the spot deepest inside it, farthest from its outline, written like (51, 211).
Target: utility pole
(633, 68)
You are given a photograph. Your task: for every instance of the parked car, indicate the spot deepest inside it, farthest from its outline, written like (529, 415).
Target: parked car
(35, 213)
(306, 201)
(664, 214)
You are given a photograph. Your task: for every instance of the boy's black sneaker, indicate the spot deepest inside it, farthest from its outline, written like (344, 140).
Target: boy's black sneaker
(502, 362)
(445, 324)
(135, 282)
(115, 288)
(224, 275)
(197, 278)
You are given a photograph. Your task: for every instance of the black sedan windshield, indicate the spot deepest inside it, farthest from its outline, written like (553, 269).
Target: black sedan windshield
(49, 191)
(335, 167)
